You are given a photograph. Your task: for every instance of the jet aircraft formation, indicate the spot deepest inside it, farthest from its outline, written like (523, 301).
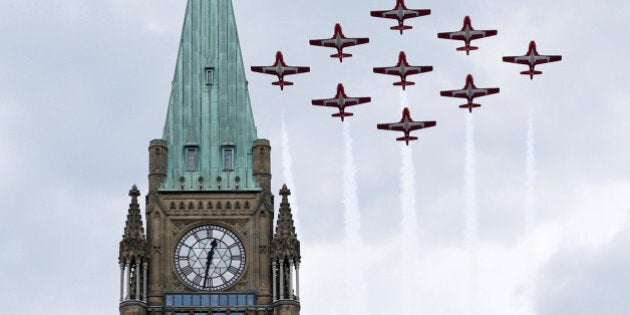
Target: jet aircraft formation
(400, 13)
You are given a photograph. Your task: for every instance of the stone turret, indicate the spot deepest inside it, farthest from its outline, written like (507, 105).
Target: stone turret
(132, 257)
(261, 161)
(286, 258)
(158, 154)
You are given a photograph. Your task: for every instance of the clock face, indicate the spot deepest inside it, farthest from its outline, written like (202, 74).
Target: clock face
(209, 258)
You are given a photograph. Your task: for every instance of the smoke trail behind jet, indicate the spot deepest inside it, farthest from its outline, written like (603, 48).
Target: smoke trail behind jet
(530, 173)
(287, 172)
(471, 224)
(408, 224)
(356, 295)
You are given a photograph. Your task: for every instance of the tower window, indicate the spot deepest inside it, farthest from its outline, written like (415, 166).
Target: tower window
(228, 158)
(191, 158)
(210, 76)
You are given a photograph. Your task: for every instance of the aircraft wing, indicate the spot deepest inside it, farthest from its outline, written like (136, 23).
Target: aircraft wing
(485, 91)
(482, 33)
(418, 69)
(354, 41)
(421, 124)
(459, 35)
(267, 70)
(294, 70)
(393, 14)
(545, 59)
(454, 93)
(475, 92)
(334, 102)
(399, 126)
(387, 70)
(331, 42)
(517, 59)
(391, 126)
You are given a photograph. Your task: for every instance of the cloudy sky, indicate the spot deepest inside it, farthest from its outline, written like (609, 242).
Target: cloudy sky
(520, 208)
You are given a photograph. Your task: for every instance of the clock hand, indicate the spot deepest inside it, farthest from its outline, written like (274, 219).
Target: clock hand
(209, 261)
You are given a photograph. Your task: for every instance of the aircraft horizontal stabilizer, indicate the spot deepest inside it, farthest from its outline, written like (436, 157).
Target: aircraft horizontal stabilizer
(340, 56)
(407, 139)
(404, 84)
(342, 115)
(282, 83)
(535, 72)
(469, 105)
(401, 28)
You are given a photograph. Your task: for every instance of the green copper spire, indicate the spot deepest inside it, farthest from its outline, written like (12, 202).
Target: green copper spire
(209, 125)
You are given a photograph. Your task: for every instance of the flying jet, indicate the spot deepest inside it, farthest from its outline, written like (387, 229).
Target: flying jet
(400, 12)
(402, 69)
(280, 69)
(341, 101)
(339, 41)
(406, 125)
(469, 92)
(467, 34)
(532, 58)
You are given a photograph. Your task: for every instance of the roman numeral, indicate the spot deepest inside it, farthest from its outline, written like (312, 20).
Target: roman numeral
(233, 270)
(197, 280)
(187, 270)
(237, 257)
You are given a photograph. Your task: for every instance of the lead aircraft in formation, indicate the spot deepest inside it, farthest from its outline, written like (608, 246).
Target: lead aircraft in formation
(339, 42)
(467, 34)
(532, 58)
(406, 125)
(469, 92)
(400, 12)
(280, 68)
(402, 69)
(341, 101)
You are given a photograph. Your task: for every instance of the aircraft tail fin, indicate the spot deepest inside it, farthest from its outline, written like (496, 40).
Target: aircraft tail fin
(531, 73)
(467, 49)
(340, 56)
(404, 83)
(401, 28)
(342, 115)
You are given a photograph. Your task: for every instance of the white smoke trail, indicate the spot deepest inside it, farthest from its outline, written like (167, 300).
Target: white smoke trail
(287, 173)
(356, 296)
(471, 224)
(530, 173)
(530, 191)
(352, 216)
(409, 225)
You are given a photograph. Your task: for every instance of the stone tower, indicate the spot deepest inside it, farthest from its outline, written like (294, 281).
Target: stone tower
(209, 247)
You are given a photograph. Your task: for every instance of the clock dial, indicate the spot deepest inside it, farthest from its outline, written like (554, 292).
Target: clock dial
(209, 258)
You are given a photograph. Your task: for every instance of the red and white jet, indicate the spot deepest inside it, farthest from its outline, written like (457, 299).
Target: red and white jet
(341, 101)
(469, 92)
(339, 41)
(406, 125)
(400, 13)
(467, 34)
(280, 69)
(532, 58)
(402, 69)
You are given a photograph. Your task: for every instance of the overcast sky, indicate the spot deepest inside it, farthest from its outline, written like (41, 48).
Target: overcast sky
(515, 224)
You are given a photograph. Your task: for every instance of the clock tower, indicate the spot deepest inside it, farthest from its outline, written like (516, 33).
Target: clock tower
(210, 246)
